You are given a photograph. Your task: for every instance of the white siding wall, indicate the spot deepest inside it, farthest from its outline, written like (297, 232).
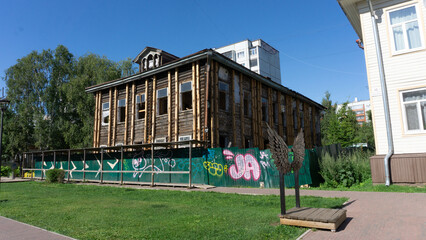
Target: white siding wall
(405, 71)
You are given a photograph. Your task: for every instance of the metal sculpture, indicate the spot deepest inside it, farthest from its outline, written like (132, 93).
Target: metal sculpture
(280, 150)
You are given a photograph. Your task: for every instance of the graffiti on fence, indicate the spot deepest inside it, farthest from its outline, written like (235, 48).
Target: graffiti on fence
(215, 169)
(246, 166)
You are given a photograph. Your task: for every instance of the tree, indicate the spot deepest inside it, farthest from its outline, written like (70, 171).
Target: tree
(338, 125)
(366, 132)
(49, 106)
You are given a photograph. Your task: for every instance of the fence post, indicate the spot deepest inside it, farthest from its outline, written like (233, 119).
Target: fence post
(102, 165)
(54, 159)
(32, 166)
(42, 163)
(152, 164)
(190, 164)
(69, 164)
(121, 166)
(84, 165)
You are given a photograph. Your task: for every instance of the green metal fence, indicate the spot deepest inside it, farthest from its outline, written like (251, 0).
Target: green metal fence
(167, 164)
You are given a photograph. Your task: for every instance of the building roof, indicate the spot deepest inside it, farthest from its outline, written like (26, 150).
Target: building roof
(351, 11)
(149, 49)
(203, 54)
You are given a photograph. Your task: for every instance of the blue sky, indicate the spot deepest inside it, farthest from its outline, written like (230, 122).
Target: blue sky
(316, 42)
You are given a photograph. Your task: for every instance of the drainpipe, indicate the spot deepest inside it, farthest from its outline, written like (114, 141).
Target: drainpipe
(384, 93)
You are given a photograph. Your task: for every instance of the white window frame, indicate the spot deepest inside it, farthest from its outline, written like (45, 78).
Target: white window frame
(180, 95)
(253, 51)
(419, 113)
(181, 139)
(391, 36)
(105, 113)
(241, 54)
(140, 102)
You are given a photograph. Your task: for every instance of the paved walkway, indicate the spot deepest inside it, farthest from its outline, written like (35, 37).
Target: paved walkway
(370, 215)
(11, 229)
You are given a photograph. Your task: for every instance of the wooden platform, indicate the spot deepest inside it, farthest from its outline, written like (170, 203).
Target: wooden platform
(324, 218)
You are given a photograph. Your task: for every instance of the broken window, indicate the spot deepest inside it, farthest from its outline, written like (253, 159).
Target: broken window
(162, 104)
(140, 106)
(105, 114)
(185, 96)
(223, 96)
(121, 111)
(265, 109)
(247, 104)
(184, 138)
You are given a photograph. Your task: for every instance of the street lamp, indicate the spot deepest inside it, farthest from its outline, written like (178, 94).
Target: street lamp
(3, 106)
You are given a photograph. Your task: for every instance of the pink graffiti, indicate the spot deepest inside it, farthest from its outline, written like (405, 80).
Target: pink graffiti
(228, 154)
(245, 166)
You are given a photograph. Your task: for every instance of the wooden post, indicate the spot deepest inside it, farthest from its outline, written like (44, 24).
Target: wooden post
(114, 128)
(169, 105)
(84, 165)
(307, 130)
(282, 194)
(194, 102)
(145, 134)
(260, 122)
(154, 107)
(290, 124)
(177, 104)
(110, 117)
(254, 112)
(242, 118)
(216, 109)
(280, 115)
(296, 188)
(126, 113)
(99, 120)
(299, 123)
(69, 164)
(95, 124)
(197, 86)
(213, 107)
(234, 132)
(132, 123)
(121, 166)
(152, 165)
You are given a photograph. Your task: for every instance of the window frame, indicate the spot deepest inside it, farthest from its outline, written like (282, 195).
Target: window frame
(138, 111)
(421, 129)
(105, 113)
(180, 96)
(226, 96)
(180, 140)
(119, 111)
(158, 101)
(391, 33)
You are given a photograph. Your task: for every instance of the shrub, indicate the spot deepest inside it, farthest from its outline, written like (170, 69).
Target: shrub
(346, 170)
(55, 175)
(5, 171)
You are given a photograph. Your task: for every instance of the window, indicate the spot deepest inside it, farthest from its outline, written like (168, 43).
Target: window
(253, 51)
(224, 141)
(185, 96)
(247, 104)
(236, 88)
(162, 101)
(121, 111)
(140, 106)
(405, 29)
(223, 96)
(240, 54)
(414, 108)
(184, 138)
(229, 54)
(151, 64)
(275, 112)
(264, 109)
(253, 62)
(105, 113)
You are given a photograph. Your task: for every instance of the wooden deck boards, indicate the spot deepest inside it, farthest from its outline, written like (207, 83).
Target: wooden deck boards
(314, 217)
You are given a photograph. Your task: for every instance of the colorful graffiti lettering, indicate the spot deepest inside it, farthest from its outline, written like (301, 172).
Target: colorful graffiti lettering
(246, 166)
(142, 165)
(215, 169)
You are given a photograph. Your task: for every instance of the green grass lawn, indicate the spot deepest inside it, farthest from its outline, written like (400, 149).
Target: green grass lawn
(93, 212)
(368, 186)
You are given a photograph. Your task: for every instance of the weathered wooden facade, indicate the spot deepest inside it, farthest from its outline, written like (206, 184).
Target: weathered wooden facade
(204, 96)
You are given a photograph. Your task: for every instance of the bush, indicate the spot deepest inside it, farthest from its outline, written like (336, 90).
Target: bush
(5, 171)
(55, 175)
(346, 170)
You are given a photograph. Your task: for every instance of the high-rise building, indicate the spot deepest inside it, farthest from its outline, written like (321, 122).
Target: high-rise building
(360, 108)
(257, 56)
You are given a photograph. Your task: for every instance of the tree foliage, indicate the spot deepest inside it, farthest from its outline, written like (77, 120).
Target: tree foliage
(339, 125)
(49, 106)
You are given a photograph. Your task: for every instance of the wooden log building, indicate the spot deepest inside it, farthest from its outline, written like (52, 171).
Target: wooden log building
(204, 96)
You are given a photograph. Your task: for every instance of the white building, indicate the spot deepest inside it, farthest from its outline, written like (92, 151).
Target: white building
(401, 30)
(360, 108)
(257, 56)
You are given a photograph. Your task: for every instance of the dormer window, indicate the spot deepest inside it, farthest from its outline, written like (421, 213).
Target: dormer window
(151, 64)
